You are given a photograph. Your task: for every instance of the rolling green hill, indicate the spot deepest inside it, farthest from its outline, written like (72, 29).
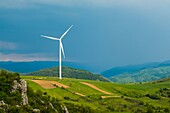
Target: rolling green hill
(49, 94)
(137, 98)
(144, 75)
(68, 72)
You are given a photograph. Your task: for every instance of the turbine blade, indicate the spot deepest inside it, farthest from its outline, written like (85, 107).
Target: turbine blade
(50, 37)
(62, 49)
(66, 32)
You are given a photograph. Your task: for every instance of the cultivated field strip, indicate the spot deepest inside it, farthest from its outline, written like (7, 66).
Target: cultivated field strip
(96, 88)
(49, 84)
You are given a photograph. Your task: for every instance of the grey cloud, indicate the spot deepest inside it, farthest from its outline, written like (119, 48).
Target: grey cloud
(7, 45)
(92, 3)
(25, 57)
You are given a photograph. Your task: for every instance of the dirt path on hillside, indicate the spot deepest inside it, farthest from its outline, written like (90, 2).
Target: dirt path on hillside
(104, 97)
(49, 84)
(96, 88)
(79, 94)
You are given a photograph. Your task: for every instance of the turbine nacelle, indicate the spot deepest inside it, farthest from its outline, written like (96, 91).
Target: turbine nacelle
(53, 38)
(59, 39)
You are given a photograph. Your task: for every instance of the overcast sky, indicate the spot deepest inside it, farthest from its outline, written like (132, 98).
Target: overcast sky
(106, 33)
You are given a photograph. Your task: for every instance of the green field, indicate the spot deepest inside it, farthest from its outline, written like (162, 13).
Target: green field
(123, 98)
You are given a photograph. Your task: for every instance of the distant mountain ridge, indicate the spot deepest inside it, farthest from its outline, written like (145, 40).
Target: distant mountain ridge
(145, 75)
(139, 73)
(68, 72)
(133, 68)
(27, 67)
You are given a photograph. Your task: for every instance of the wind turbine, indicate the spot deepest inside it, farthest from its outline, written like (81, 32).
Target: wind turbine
(61, 49)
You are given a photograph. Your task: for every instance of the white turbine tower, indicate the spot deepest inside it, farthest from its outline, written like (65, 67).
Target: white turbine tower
(60, 48)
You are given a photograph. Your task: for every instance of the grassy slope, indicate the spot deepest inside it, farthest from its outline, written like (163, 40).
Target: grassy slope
(76, 86)
(92, 98)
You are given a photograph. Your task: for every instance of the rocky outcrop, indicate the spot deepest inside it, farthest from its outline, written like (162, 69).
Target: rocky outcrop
(53, 107)
(2, 103)
(3, 106)
(65, 109)
(24, 92)
(23, 87)
(36, 110)
(15, 86)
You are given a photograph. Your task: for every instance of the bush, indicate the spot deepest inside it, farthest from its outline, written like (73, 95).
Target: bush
(166, 110)
(141, 103)
(15, 109)
(124, 106)
(45, 93)
(72, 108)
(111, 108)
(150, 111)
(67, 98)
(2, 111)
(139, 111)
(155, 96)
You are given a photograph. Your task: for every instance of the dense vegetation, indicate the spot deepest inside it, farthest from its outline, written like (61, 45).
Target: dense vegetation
(144, 75)
(6, 83)
(10, 102)
(69, 73)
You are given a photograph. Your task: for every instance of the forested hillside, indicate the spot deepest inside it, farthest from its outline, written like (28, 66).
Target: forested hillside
(68, 72)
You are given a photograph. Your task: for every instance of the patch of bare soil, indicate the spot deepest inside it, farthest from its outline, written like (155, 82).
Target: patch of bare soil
(49, 84)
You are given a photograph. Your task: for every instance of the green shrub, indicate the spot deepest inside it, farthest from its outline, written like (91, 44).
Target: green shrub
(111, 108)
(67, 98)
(166, 110)
(155, 96)
(2, 111)
(72, 108)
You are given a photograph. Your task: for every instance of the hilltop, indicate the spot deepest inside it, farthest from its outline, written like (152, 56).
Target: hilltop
(27, 67)
(68, 72)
